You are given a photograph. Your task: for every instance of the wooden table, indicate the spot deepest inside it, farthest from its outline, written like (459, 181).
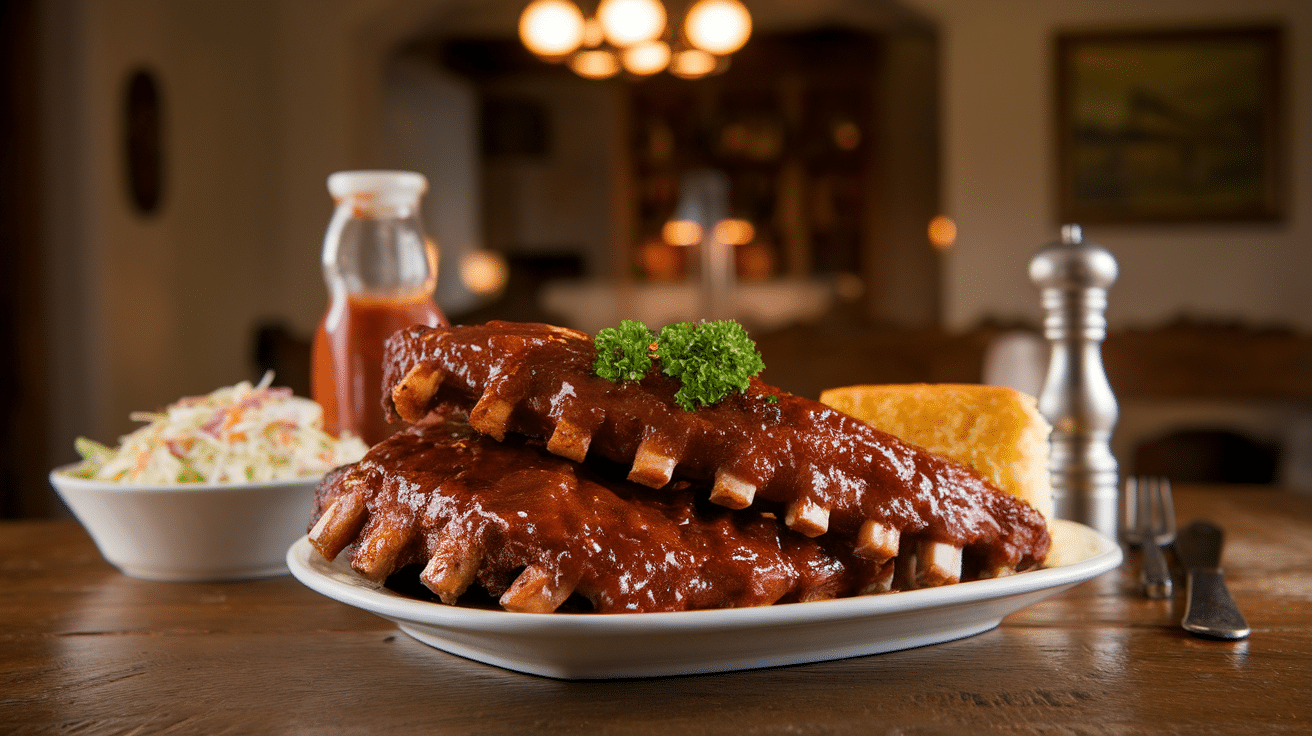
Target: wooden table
(86, 650)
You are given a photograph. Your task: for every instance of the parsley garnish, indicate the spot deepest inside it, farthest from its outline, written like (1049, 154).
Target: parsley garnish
(708, 359)
(623, 354)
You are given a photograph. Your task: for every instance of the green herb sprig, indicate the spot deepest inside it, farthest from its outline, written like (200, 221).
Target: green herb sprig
(710, 360)
(624, 353)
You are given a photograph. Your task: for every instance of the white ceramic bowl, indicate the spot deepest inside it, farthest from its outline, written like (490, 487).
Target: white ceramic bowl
(232, 531)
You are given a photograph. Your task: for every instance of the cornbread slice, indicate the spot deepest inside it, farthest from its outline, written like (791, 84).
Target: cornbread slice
(996, 430)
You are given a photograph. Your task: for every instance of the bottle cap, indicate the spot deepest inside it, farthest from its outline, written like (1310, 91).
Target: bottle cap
(386, 187)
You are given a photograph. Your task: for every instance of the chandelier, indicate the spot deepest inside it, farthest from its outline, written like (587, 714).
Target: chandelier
(635, 36)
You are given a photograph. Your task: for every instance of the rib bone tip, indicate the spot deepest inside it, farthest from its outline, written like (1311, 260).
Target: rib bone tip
(731, 491)
(569, 441)
(318, 532)
(338, 524)
(533, 592)
(807, 517)
(877, 541)
(377, 553)
(652, 466)
(937, 563)
(411, 394)
(451, 569)
(491, 415)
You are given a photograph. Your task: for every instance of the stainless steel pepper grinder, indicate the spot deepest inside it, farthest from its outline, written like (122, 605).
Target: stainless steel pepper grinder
(1073, 276)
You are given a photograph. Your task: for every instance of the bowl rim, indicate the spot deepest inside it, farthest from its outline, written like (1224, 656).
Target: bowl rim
(60, 478)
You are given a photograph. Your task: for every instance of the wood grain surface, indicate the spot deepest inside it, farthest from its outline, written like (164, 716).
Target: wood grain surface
(86, 650)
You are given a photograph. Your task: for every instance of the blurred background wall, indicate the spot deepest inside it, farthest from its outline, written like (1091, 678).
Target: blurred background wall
(1000, 179)
(259, 100)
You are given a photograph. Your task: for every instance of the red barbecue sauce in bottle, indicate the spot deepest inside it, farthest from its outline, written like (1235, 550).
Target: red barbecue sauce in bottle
(381, 270)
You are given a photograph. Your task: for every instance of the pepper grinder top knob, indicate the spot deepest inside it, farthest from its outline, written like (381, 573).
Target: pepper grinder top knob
(1072, 263)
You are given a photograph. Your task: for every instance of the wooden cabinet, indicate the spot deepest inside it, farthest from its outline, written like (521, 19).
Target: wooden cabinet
(791, 124)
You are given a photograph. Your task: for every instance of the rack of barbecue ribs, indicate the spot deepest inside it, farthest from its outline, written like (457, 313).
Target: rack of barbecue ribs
(817, 469)
(536, 529)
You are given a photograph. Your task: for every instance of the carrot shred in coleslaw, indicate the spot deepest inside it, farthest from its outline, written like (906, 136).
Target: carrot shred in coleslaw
(235, 434)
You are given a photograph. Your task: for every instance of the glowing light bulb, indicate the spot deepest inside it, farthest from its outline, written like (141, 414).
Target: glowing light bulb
(551, 28)
(595, 64)
(484, 272)
(646, 58)
(942, 232)
(734, 232)
(692, 64)
(628, 22)
(681, 232)
(718, 26)
(593, 33)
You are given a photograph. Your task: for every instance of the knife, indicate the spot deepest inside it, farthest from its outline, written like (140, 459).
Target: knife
(1210, 610)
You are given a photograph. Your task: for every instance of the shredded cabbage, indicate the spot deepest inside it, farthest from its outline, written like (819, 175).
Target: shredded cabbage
(236, 434)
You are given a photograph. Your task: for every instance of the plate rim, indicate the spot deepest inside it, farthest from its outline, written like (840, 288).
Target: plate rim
(306, 565)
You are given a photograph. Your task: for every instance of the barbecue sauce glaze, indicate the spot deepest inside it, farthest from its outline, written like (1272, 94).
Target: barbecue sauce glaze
(622, 548)
(787, 446)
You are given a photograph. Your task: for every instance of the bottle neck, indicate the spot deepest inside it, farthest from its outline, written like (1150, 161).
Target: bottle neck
(378, 248)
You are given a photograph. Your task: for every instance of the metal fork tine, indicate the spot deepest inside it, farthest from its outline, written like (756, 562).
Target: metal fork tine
(1152, 507)
(1157, 527)
(1130, 515)
(1167, 534)
(1145, 497)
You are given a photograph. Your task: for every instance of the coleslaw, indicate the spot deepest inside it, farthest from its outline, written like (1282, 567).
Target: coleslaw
(235, 434)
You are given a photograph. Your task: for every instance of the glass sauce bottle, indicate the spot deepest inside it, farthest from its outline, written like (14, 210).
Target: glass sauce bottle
(381, 271)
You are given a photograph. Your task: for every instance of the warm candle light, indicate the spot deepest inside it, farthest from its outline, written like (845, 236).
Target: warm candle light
(692, 64)
(942, 232)
(681, 232)
(628, 22)
(646, 58)
(734, 232)
(595, 64)
(484, 272)
(551, 28)
(718, 26)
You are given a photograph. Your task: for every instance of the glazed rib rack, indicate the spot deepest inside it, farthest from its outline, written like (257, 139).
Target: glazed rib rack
(535, 530)
(820, 471)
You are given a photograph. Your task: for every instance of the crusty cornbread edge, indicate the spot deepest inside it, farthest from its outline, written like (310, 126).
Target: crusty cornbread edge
(996, 430)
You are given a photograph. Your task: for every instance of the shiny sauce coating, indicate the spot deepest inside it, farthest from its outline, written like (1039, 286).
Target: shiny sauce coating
(622, 548)
(787, 447)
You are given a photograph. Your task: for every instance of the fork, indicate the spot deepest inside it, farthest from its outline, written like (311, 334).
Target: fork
(1148, 500)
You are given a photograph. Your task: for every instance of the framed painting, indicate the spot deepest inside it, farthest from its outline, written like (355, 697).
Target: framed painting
(1170, 126)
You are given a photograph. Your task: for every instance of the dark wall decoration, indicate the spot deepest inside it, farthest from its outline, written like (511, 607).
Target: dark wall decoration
(143, 141)
(1170, 126)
